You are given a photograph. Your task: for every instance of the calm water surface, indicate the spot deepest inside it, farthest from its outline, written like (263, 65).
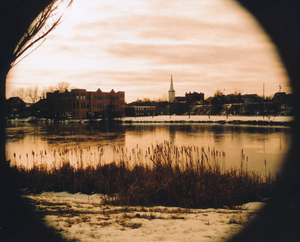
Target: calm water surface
(50, 144)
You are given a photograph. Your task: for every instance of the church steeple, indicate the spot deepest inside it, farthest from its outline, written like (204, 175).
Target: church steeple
(171, 91)
(171, 86)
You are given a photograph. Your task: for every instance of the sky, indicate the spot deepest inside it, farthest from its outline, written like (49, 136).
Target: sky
(136, 45)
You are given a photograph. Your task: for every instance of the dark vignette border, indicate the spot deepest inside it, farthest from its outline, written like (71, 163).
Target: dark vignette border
(279, 221)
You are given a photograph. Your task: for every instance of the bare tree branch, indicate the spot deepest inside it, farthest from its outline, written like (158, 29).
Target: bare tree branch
(20, 92)
(32, 37)
(62, 86)
(33, 94)
(16, 63)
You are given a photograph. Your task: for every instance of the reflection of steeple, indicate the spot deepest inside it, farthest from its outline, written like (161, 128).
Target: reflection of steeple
(172, 135)
(171, 91)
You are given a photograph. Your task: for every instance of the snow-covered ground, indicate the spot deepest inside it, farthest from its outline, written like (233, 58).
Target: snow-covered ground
(206, 118)
(170, 118)
(88, 218)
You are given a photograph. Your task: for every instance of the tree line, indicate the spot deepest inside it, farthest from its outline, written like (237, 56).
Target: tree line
(34, 94)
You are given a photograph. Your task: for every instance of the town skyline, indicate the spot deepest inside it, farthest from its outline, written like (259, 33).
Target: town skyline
(98, 105)
(206, 45)
(27, 94)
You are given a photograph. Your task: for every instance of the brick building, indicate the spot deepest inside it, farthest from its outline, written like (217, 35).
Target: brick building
(83, 104)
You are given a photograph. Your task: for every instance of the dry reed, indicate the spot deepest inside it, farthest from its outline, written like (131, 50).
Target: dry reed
(164, 174)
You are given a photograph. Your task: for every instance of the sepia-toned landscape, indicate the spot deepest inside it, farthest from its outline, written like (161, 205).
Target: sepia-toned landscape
(146, 121)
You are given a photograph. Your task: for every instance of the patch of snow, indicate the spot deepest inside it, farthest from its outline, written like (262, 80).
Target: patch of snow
(87, 218)
(167, 118)
(253, 206)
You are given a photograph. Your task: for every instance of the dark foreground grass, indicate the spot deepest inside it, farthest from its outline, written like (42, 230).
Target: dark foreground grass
(195, 181)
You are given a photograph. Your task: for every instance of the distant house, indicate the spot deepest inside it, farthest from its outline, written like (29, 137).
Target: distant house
(234, 98)
(144, 110)
(39, 109)
(15, 108)
(180, 99)
(190, 98)
(251, 98)
(194, 97)
(83, 104)
(135, 109)
(282, 97)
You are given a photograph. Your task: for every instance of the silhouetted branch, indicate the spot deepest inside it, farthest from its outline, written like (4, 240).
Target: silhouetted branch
(16, 63)
(31, 37)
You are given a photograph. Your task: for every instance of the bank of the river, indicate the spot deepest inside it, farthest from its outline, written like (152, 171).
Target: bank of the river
(181, 119)
(250, 120)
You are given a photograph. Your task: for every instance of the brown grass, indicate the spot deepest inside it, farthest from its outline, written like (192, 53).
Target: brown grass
(167, 175)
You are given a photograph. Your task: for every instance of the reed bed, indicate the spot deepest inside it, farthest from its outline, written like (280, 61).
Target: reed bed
(163, 174)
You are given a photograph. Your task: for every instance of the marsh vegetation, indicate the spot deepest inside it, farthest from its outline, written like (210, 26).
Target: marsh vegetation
(164, 174)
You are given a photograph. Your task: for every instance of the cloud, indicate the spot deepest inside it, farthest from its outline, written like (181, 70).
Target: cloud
(154, 27)
(182, 54)
(136, 46)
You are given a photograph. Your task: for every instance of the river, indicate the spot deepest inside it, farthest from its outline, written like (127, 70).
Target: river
(263, 147)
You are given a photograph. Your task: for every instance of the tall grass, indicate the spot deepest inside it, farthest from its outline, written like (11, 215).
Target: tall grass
(186, 176)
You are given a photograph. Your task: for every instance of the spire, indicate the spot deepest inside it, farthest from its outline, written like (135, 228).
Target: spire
(171, 85)
(171, 91)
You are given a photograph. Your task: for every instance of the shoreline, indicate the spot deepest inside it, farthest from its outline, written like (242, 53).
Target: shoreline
(171, 119)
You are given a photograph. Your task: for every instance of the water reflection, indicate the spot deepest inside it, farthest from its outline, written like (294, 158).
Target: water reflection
(258, 143)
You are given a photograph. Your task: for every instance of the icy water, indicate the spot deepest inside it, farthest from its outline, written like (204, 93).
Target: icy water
(264, 147)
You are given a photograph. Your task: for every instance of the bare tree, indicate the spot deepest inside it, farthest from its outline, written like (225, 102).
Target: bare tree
(163, 98)
(43, 93)
(218, 92)
(145, 99)
(38, 30)
(62, 86)
(32, 93)
(16, 19)
(20, 92)
(24, 25)
(237, 91)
